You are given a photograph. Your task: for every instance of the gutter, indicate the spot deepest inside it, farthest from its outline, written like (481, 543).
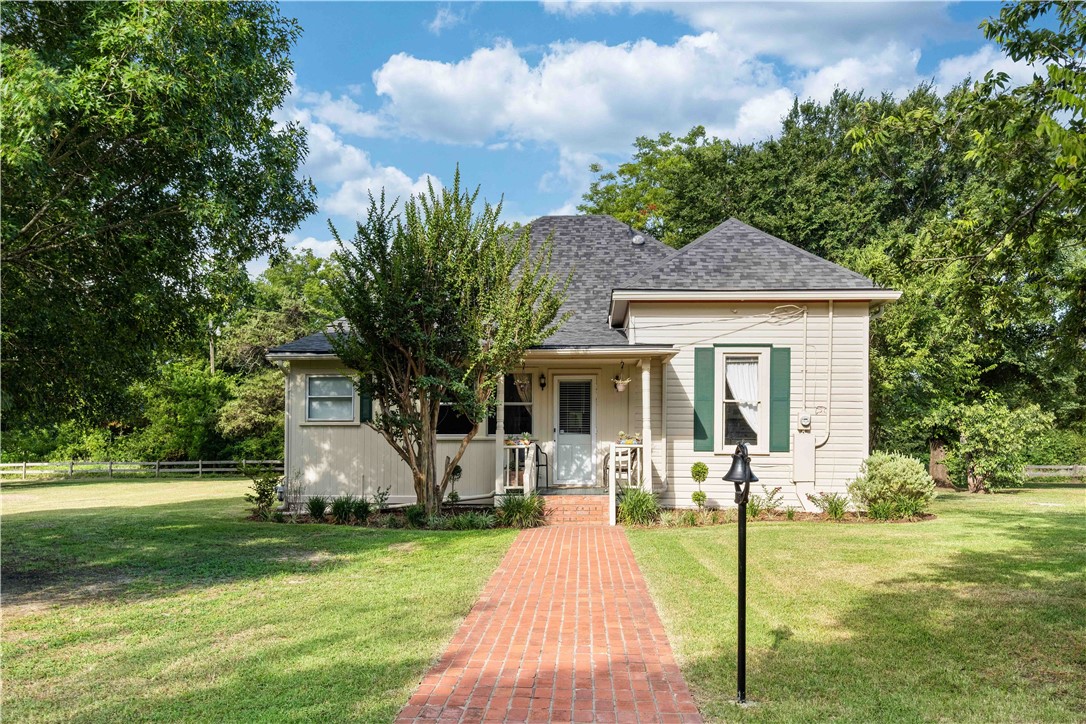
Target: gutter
(620, 298)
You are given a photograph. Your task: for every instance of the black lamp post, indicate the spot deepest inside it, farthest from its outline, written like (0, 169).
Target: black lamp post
(741, 476)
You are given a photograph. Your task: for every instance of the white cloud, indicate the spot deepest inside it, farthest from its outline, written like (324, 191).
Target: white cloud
(893, 69)
(351, 199)
(804, 34)
(344, 173)
(319, 247)
(444, 19)
(584, 97)
(952, 71)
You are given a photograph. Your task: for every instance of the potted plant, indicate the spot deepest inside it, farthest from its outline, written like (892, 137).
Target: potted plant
(629, 439)
(620, 383)
(699, 471)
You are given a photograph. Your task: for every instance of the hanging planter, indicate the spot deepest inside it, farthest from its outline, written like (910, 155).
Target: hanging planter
(620, 381)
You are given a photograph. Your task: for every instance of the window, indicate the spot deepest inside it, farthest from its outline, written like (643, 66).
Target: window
(744, 402)
(518, 406)
(329, 398)
(518, 411)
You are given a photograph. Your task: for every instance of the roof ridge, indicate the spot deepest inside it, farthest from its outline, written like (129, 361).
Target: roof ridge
(732, 222)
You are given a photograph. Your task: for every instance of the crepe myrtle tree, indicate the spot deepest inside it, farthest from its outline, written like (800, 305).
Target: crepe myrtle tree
(438, 303)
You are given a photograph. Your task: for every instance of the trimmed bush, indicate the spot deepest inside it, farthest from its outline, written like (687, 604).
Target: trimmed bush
(835, 505)
(892, 486)
(522, 511)
(699, 497)
(341, 509)
(316, 506)
(361, 510)
(471, 520)
(416, 515)
(638, 507)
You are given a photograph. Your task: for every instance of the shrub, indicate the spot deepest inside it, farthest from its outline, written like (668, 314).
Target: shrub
(699, 471)
(638, 507)
(755, 506)
(891, 485)
(361, 510)
(698, 496)
(452, 498)
(790, 513)
(522, 511)
(669, 518)
(264, 491)
(341, 509)
(437, 522)
(316, 506)
(416, 515)
(380, 498)
(993, 445)
(773, 498)
(688, 519)
(472, 520)
(835, 505)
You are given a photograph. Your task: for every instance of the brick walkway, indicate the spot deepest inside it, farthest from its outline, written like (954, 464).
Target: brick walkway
(564, 631)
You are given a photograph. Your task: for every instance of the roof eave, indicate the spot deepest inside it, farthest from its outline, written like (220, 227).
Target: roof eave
(621, 298)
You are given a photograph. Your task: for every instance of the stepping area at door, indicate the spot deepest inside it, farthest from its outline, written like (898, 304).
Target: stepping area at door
(564, 631)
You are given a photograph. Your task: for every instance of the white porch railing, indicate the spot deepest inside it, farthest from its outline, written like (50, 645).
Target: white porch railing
(625, 468)
(519, 466)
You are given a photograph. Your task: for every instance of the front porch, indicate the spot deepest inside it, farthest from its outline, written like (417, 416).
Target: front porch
(582, 423)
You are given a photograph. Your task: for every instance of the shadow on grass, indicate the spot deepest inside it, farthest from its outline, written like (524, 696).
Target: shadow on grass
(983, 636)
(71, 556)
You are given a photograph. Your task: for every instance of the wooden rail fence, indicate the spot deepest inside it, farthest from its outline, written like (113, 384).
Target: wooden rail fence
(112, 468)
(1055, 471)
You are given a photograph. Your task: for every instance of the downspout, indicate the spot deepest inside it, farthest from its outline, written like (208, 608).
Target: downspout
(829, 384)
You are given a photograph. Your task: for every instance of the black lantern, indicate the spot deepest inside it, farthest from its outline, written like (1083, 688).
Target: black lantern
(741, 476)
(542, 380)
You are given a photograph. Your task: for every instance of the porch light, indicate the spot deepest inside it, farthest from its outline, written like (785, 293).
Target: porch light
(741, 476)
(542, 381)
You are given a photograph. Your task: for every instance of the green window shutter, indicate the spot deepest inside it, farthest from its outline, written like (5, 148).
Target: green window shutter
(704, 398)
(780, 398)
(365, 407)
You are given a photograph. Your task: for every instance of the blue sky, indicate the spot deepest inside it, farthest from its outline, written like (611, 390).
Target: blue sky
(525, 96)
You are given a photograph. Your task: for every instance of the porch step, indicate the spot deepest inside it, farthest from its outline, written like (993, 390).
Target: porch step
(577, 509)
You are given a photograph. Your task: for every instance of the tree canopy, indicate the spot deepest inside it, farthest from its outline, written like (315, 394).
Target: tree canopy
(971, 203)
(142, 169)
(438, 305)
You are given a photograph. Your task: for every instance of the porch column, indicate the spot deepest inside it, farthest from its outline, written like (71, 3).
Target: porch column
(646, 423)
(499, 441)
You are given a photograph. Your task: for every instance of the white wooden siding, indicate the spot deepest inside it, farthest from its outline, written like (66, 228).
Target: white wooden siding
(843, 407)
(336, 459)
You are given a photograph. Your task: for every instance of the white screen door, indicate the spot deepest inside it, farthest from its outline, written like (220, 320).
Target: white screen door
(575, 435)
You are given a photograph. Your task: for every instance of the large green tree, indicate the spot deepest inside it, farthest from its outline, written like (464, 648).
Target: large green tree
(141, 164)
(438, 306)
(970, 203)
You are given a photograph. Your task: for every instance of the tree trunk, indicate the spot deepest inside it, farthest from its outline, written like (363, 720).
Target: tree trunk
(975, 480)
(937, 462)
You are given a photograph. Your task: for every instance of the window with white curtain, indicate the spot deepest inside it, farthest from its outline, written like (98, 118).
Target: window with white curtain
(329, 398)
(743, 382)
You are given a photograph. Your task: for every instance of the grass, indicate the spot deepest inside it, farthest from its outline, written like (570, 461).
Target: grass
(141, 600)
(978, 615)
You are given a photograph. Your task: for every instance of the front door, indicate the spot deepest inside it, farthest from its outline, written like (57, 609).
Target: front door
(575, 436)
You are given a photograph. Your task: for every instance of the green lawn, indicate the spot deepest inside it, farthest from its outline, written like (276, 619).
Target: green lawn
(155, 600)
(978, 615)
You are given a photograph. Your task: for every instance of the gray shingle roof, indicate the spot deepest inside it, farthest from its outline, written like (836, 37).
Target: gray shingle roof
(735, 256)
(601, 252)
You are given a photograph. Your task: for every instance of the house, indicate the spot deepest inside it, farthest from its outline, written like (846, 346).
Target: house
(737, 337)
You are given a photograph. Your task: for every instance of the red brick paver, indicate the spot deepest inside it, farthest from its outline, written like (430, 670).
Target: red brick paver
(564, 631)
